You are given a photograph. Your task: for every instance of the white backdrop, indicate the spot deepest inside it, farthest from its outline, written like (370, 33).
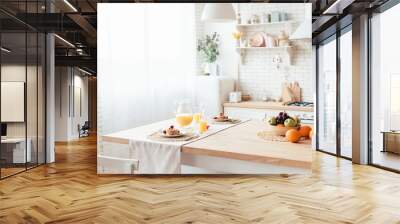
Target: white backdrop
(146, 61)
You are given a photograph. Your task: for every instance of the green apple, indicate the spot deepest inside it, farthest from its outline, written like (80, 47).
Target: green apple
(272, 121)
(290, 122)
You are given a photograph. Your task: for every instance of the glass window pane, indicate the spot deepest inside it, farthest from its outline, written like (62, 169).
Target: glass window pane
(13, 86)
(327, 97)
(385, 89)
(346, 94)
(31, 97)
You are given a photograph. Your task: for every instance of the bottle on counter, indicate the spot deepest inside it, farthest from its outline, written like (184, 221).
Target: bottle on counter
(239, 19)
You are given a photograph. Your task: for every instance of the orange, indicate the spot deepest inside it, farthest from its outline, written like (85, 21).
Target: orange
(293, 135)
(305, 131)
(280, 125)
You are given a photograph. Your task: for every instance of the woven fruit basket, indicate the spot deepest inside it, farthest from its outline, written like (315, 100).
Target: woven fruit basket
(280, 130)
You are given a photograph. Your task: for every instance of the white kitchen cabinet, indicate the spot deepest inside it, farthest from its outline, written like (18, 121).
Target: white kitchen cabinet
(212, 92)
(250, 113)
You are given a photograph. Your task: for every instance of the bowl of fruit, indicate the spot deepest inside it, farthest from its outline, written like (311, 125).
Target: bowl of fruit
(282, 123)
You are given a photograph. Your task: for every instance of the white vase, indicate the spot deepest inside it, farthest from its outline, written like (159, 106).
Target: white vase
(211, 69)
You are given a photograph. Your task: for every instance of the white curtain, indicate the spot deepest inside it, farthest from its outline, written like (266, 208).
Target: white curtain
(146, 62)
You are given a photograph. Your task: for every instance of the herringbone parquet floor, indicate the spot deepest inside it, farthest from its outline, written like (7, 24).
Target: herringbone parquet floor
(69, 191)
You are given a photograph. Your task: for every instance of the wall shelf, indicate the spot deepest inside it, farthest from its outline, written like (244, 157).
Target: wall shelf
(286, 26)
(287, 51)
(287, 22)
(264, 48)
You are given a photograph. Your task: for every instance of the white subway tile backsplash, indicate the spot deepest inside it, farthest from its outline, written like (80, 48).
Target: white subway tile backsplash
(258, 75)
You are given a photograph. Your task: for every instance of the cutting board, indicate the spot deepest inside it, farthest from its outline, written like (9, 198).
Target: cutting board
(291, 92)
(287, 94)
(296, 90)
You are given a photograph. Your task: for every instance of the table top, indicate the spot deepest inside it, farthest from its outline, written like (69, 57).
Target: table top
(141, 133)
(235, 142)
(241, 142)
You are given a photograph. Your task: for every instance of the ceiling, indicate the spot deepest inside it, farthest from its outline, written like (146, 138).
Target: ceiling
(77, 25)
(76, 22)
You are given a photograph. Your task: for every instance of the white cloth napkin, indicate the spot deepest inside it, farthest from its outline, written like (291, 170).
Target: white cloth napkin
(156, 158)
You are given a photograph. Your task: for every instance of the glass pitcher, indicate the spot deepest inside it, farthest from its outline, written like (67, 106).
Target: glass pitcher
(184, 113)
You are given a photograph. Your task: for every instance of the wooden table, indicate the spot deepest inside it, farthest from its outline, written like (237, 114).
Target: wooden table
(242, 143)
(238, 149)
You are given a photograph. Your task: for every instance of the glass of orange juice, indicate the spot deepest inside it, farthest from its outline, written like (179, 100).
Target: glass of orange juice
(184, 113)
(197, 117)
(198, 113)
(202, 126)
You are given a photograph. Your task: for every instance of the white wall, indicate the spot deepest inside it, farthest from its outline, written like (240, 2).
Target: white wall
(228, 56)
(258, 76)
(68, 81)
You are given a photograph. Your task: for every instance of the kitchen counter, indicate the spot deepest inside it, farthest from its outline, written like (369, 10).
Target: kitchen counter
(268, 105)
(236, 149)
(241, 142)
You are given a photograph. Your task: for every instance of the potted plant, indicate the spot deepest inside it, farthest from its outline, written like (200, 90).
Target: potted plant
(208, 47)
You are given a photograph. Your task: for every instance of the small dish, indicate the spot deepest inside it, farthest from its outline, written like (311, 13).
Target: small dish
(222, 119)
(257, 40)
(171, 136)
(171, 132)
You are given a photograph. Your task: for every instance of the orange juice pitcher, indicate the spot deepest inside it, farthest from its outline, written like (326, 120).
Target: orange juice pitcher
(184, 119)
(184, 113)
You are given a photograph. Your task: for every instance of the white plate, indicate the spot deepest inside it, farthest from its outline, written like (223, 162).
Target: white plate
(223, 120)
(171, 136)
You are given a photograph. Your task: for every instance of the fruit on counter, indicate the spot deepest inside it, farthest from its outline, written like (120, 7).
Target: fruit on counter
(290, 122)
(293, 135)
(305, 131)
(297, 119)
(284, 119)
(272, 121)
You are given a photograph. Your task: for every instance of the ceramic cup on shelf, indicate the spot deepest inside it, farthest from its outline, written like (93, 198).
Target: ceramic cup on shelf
(255, 19)
(266, 18)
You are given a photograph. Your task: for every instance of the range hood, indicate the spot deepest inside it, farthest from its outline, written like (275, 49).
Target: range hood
(304, 31)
